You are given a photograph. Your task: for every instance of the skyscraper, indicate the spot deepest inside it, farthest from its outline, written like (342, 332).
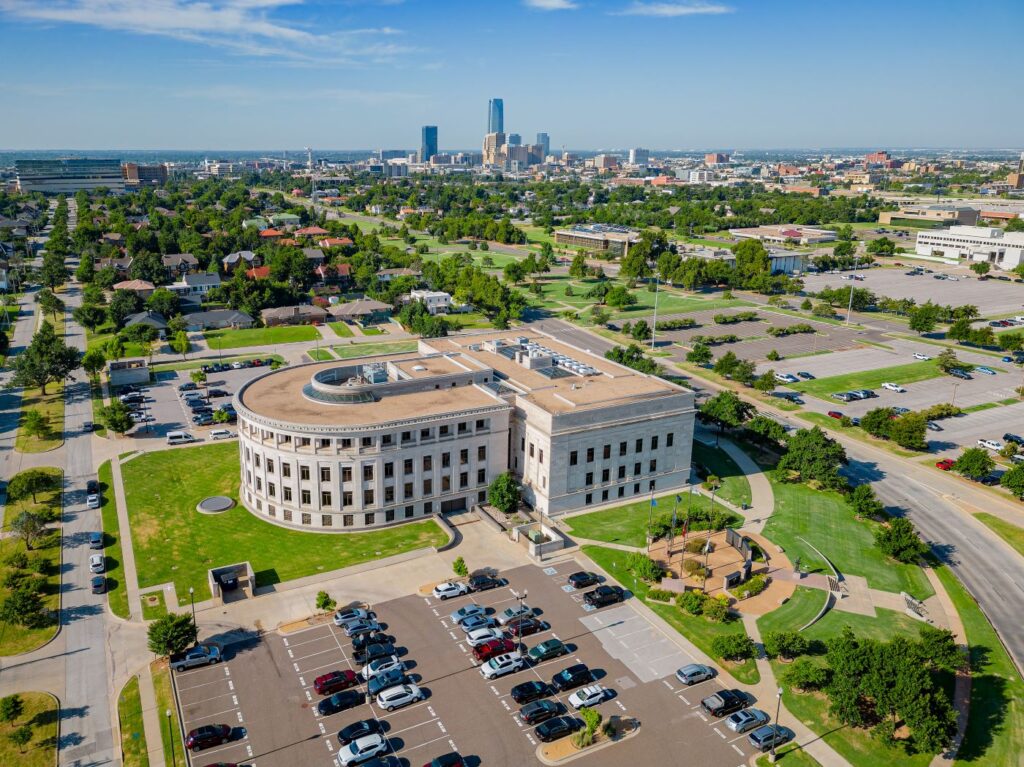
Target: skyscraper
(514, 139)
(545, 141)
(496, 116)
(428, 143)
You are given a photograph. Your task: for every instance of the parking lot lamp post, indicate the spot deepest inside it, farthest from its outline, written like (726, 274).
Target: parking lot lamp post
(778, 708)
(170, 736)
(953, 400)
(192, 599)
(522, 599)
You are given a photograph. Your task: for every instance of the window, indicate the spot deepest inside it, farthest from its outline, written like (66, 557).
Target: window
(303, 472)
(303, 442)
(446, 484)
(324, 443)
(389, 515)
(590, 478)
(368, 471)
(327, 520)
(480, 424)
(669, 439)
(271, 510)
(367, 519)
(481, 453)
(654, 442)
(425, 434)
(305, 498)
(406, 436)
(259, 505)
(574, 458)
(622, 491)
(257, 460)
(286, 493)
(481, 476)
(650, 485)
(366, 442)
(287, 515)
(259, 485)
(271, 489)
(463, 480)
(346, 443)
(428, 487)
(346, 498)
(409, 511)
(428, 463)
(407, 466)
(640, 445)
(481, 497)
(286, 439)
(446, 460)
(605, 475)
(428, 507)
(622, 472)
(270, 466)
(636, 488)
(325, 497)
(367, 498)
(407, 491)
(386, 439)
(636, 468)
(346, 473)
(389, 471)
(544, 481)
(286, 469)
(622, 448)
(654, 466)
(325, 473)
(606, 452)
(248, 458)
(389, 494)
(604, 495)
(347, 520)
(590, 455)
(541, 458)
(589, 499)
(463, 457)
(444, 430)
(531, 450)
(463, 427)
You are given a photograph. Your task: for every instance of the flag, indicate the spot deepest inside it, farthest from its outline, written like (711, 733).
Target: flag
(686, 525)
(653, 503)
(679, 498)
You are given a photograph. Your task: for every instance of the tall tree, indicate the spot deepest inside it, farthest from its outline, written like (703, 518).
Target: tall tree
(45, 360)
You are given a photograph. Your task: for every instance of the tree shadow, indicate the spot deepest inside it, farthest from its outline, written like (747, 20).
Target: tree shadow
(863, 471)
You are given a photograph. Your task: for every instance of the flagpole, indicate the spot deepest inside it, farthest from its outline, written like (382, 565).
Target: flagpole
(650, 520)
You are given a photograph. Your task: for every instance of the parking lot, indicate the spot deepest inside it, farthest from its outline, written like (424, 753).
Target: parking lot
(267, 687)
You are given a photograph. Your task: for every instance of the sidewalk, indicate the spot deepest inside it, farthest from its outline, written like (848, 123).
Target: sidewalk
(131, 580)
(962, 688)
(151, 725)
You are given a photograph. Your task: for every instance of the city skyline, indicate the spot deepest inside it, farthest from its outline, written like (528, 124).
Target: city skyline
(177, 74)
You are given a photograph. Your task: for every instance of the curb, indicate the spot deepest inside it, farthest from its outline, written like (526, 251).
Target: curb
(586, 751)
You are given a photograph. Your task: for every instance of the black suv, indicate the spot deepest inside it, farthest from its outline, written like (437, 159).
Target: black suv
(724, 702)
(363, 641)
(572, 677)
(373, 652)
(340, 701)
(581, 580)
(529, 691)
(1014, 438)
(358, 730)
(539, 711)
(483, 583)
(604, 595)
(553, 729)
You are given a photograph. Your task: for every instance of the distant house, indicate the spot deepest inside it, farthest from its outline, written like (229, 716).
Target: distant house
(310, 231)
(335, 242)
(112, 238)
(178, 264)
(258, 222)
(154, 320)
(386, 275)
(334, 274)
(315, 256)
(436, 301)
(119, 265)
(245, 259)
(271, 234)
(365, 311)
(217, 319)
(258, 273)
(141, 288)
(285, 219)
(196, 285)
(303, 314)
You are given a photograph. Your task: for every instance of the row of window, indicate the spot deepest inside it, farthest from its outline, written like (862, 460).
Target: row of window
(651, 486)
(370, 518)
(606, 474)
(606, 450)
(408, 466)
(386, 440)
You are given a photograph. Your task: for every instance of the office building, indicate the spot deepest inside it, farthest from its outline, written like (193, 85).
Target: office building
(780, 235)
(607, 238)
(947, 215)
(368, 442)
(495, 116)
(700, 176)
(782, 261)
(428, 143)
(545, 141)
(136, 175)
(605, 162)
(992, 245)
(493, 143)
(514, 139)
(639, 156)
(383, 155)
(67, 176)
(1016, 180)
(716, 158)
(877, 158)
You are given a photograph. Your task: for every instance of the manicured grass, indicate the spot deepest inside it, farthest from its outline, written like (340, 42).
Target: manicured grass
(96, 399)
(237, 339)
(698, 630)
(42, 713)
(98, 340)
(790, 755)
(810, 318)
(342, 329)
(372, 330)
(824, 519)
(117, 591)
(805, 604)
(981, 406)
(134, 752)
(995, 729)
(320, 355)
(735, 486)
(153, 606)
(365, 350)
(469, 321)
(14, 638)
(51, 405)
(670, 302)
(1010, 533)
(174, 755)
(627, 524)
(173, 542)
(870, 379)
(198, 363)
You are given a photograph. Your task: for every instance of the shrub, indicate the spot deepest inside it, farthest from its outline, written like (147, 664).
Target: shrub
(591, 718)
(693, 568)
(644, 567)
(459, 567)
(681, 324)
(324, 601)
(786, 644)
(691, 602)
(805, 674)
(17, 560)
(11, 708)
(754, 586)
(583, 738)
(660, 595)
(940, 411)
(695, 545)
(716, 609)
(734, 647)
(773, 356)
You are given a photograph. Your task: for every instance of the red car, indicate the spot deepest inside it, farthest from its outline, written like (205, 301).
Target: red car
(524, 627)
(336, 681)
(945, 464)
(207, 736)
(488, 650)
(835, 414)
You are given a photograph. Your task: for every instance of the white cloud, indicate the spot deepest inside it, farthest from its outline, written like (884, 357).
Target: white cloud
(241, 26)
(672, 10)
(551, 5)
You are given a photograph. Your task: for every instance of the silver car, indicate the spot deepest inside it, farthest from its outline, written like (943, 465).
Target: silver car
(746, 720)
(693, 673)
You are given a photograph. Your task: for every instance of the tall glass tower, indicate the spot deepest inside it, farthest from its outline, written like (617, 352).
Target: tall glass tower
(428, 143)
(496, 116)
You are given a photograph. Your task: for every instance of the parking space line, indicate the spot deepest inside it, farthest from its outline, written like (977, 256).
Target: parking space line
(407, 749)
(197, 701)
(202, 684)
(241, 741)
(738, 750)
(210, 716)
(413, 727)
(312, 654)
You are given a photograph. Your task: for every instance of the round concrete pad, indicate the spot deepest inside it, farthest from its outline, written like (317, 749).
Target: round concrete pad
(215, 504)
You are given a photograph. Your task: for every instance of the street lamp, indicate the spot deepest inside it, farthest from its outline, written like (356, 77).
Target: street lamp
(170, 737)
(192, 599)
(778, 708)
(522, 599)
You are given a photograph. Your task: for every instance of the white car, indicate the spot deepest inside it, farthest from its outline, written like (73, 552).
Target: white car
(500, 665)
(92, 500)
(362, 750)
(221, 434)
(991, 444)
(450, 589)
(346, 616)
(894, 387)
(786, 378)
(951, 278)
(482, 636)
(587, 696)
(398, 696)
(514, 613)
(380, 666)
(467, 611)
(922, 357)
(97, 563)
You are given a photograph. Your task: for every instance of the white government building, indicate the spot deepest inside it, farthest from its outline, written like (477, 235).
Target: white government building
(367, 442)
(1001, 249)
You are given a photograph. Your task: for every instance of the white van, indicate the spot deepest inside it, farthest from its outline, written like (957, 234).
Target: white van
(179, 438)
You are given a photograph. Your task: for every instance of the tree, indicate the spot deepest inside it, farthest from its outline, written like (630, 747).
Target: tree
(768, 430)
(503, 493)
(459, 567)
(164, 302)
(93, 361)
(45, 360)
(1015, 225)
(923, 318)
(35, 424)
(974, 463)
(123, 304)
(784, 644)
(324, 602)
(823, 309)
(1013, 480)
(806, 675)
(909, 431)
(765, 382)
(878, 421)
(960, 330)
(28, 526)
(117, 417)
(181, 344)
(578, 267)
(11, 707)
(619, 296)
(171, 634)
(981, 268)
(726, 364)
(864, 502)
(641, 331)
(49, 303)
(633, 356)
(514, 272)
(89, 316)
(21, 737)
(947, 360)
(813, 457)
(734, 647)
(939, 649)
(30, 482)
(900, 541)
(883, 246)
(634, 264)
(24, 607)
(726, 409)
(699, 355)
(744, 372)
(86, 270)
(198, 377)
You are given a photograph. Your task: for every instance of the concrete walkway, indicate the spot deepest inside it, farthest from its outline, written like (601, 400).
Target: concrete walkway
(151, 719)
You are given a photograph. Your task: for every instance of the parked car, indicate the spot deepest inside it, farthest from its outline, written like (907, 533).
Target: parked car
(97, 563)
(539, 711)
(221, 434)
(358, 730)
(387, 680)
(396, 697)
(842, 396)
(361, 750)
(1015, 439)
(901, 410)
(446, 760)
(475, 622)
(553, 729)
(572, 677)
(340, 701)
(372, 652)
(991, 444)
(334, 681)
(551, 648)
(195, 657)
(450, 589)
(582, 579)
(203, 419)
(945, 464)
(351, 615)
(500, 665)
(529, 691)
(590, 695)
(207, 736)
(835, 414)
(187, 386)
(894, 387)
(484, 583)
(483, 636)
(724, 702)
(863, 394)
(786, 378)
(805, 375)
(985, 370)
(922, 357)
(604, 595)
(365, 640)
(96, 540)
(524, 627)
(764, 738)
(217, 393)
(355, 628)
(379, 666)
(467, 611)
(745, 720)
(692, 673)
(493, 648)
(99, 584)
(510, 614)
(960, 373)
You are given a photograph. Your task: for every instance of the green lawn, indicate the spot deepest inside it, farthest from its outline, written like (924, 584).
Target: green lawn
(870, 379)
(670, 302)
(735, 486)
(824, 519)
(174, 748)
(51, 405)
(117, 591)
(373, 330)
(995, 729)
(153, 606)
(365, 350)
(698, 630)
(469, 321)
(173, 542)
(99, 338)
(96, 399)
(827, 422)
(320, 355)
(1010, 533)
(42, 713)
(627, 524)
(343, 329)
(236, 339)
(14, 638)
(198, 363)
(134, 752)
(790, 755)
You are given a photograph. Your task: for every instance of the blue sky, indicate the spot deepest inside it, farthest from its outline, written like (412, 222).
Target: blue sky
(669, 74)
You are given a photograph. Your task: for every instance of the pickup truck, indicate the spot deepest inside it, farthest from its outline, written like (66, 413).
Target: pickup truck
(194, 657)
(604, 595)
